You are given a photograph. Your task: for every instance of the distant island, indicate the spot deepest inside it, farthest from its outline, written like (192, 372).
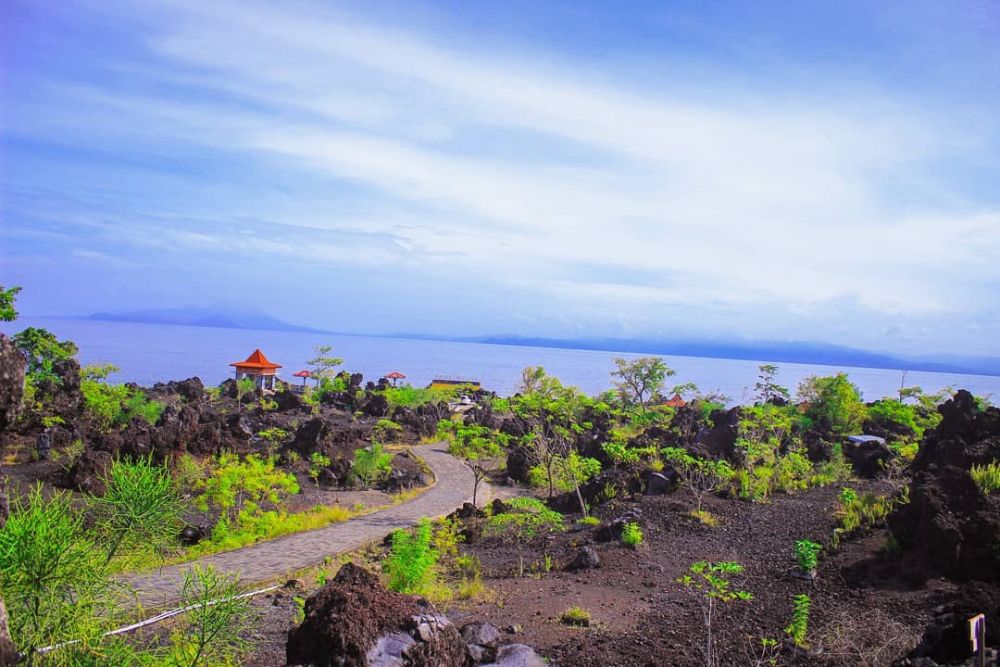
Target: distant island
(204, 317)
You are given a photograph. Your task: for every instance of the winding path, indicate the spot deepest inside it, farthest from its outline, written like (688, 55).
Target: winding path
(269, 560)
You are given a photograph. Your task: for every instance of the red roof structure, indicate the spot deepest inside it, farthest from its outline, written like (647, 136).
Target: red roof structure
(676, 402)
(395, 375)
(302, 374)
(256, 361)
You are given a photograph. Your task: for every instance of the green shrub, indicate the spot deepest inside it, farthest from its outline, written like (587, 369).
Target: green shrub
(891, 411)
(372, 465)
(799, 626)
(699, 476)
(632, 534)
(834, 399)
(386, 431)
(239, 488)
(807, 554)
(141, 507)
(411, 561)
(213, 630)
(577, 616)
(589, 521)
(318, 461)
(859, 514)
(407, 396)
(53, 583)
(114, 405)
(987, 477)
(527, 518)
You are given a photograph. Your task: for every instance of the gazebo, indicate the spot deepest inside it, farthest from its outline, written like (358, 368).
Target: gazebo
(395, 376)
(676, 402)
(304, 374)
(259, 368)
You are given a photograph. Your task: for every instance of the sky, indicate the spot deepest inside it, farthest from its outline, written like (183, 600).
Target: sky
(759, 170)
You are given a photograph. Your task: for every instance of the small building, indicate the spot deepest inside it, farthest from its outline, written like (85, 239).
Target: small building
(262, 370)
(442, 383)
(863, 439)
(676, 402)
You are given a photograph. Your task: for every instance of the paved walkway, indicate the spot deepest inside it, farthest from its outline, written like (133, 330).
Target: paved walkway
(276, 558)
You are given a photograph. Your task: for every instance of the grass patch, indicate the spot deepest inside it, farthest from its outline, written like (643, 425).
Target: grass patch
(705, 517)
(576, 616)
(987, 477)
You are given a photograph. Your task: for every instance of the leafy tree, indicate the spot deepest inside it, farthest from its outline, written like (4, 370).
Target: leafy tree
(684, 389)
(317, 462)
(114, 404)
(141, 506)
(531, 379)
(640, 379)
(244, 386)
(323, 363)
(834, 399)
(411, 561)
(762, 432)
(699, 476)
(8, 296)
(239, 488)
(766, 388)
(479, 448)
(568, 473)
(43, 351)
(386, 431)
(556, 414)
(710, 585)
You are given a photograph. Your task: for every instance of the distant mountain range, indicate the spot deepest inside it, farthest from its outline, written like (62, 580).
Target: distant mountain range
(204, 317)
(790, 352)
(787, 352)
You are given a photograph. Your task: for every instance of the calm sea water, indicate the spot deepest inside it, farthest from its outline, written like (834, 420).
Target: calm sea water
(149, 353)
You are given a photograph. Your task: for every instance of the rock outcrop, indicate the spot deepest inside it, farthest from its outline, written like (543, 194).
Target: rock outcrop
(12, 364)
(950, 526)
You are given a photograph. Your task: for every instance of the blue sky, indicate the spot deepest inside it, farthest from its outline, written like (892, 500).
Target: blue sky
(771, 170)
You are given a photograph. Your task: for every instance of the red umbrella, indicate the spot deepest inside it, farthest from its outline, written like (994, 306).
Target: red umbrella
(395, 375)
(303, 375)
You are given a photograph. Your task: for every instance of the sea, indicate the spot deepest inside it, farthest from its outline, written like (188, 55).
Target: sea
(151, 353)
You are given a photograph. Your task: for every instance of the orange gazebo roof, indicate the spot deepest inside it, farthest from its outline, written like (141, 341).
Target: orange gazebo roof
(676, 402)
(256, 360)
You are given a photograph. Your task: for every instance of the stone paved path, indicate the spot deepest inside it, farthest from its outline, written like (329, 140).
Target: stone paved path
(269, 560)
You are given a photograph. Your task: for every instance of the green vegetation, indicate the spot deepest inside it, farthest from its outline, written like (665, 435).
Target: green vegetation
(699, 476)
(639, 380)
(859, 514)
(238, 489)
(807, 554)
(372, 465)
(213, 632)
(566, 473)
(527, 519)
(632, 535)
(323, 363)
(8, 313)
(479, 448)
(114, 405)
(799, 626)
(767, 389)
(410, 566)
(711, 586)
(43, 351)
(834, 400)
(987, 477)
(244, 386)
(408, 396)
(387, 431)
(576, 616)
(141, 507)
(318, 462)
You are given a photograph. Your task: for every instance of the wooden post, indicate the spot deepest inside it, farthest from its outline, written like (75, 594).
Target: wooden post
(977, 636)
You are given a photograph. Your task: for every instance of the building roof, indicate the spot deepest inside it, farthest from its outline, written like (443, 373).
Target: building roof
(302, 374)
(676, 402)
(256, 360)
(395, 375)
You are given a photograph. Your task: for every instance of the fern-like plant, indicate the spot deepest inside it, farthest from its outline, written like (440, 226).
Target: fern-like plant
(807, 554)
(799, 626)
(411, 561)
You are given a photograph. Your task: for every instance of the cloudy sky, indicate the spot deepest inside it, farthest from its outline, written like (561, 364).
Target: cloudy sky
(773, 170)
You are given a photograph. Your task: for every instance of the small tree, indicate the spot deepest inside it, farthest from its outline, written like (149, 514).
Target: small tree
(318, 461)
(640, 379)
(411, 561)
(699, 476)
(142, 505)
(244, 386)
(835, 399)
(215, 621)
(766, 388)
(323, 363)
(573, 470)
(238, 488)
(8, 313)
(710, 585)
(371, 465)
(479, 448)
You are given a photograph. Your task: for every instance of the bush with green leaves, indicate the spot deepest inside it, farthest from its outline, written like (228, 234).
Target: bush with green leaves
(632, 534)
(372, 465)
(410, 566)
(480, 448)
(834, 400)
(526, 519)
(54, 581)
(43, 351)
(807, 554)
(711, 586)
(859, 514)
(141, 507)
(568, 473)
(239, 488)
(408, 396)
(387, 431)
(699, 476)
(318, 462)
(987, 477)
(114, 405)
(799, 626)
